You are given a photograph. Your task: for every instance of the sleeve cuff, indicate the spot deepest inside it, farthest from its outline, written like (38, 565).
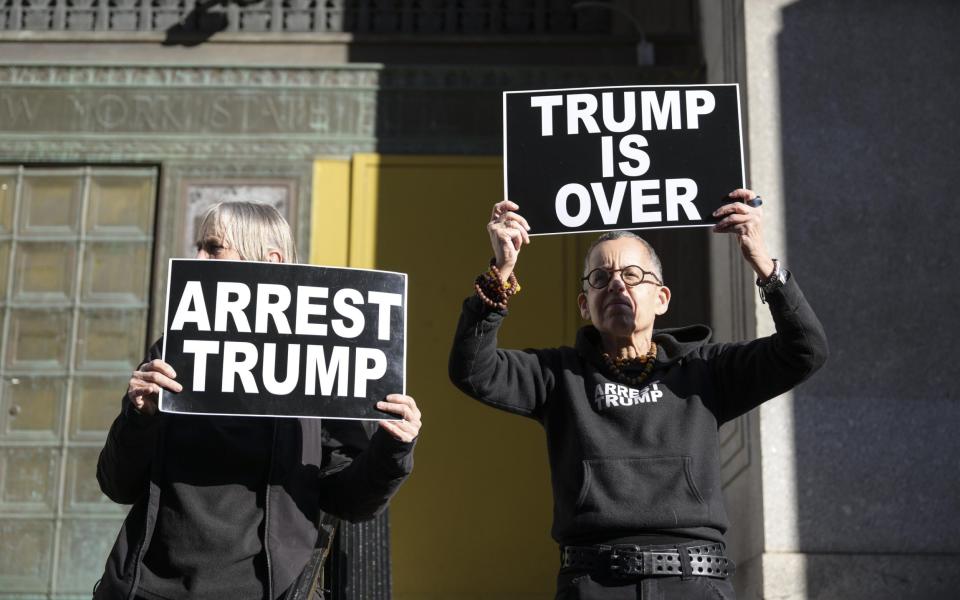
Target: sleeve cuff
(787, 294)
(136, 418)
(395, 455)
(474, 305)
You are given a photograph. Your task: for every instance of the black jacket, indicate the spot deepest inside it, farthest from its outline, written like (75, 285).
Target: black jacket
(334, 467)
(632, 461)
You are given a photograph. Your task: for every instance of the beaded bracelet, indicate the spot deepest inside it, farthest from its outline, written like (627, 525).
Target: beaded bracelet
(493, 290)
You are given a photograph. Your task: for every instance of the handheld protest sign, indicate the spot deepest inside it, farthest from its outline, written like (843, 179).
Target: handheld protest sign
(270, 339)
(626, 157)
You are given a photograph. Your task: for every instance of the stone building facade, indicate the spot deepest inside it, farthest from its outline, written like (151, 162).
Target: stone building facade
(120, 121)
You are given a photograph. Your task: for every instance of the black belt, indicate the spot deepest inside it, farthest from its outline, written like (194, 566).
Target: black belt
(631, 560)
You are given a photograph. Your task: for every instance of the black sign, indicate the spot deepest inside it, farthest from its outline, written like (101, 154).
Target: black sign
(631, 157)
(267, 339)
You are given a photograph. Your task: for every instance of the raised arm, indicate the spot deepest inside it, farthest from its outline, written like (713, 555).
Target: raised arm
(748, 374)
(511, 380)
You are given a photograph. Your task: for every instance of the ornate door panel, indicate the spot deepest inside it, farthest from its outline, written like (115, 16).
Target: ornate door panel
(76, 248)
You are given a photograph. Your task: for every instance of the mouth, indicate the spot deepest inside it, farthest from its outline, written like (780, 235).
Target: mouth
(619, 302)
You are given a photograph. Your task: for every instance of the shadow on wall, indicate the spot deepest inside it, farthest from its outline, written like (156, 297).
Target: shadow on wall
(202, 22)
(365, 18)
(870, 126)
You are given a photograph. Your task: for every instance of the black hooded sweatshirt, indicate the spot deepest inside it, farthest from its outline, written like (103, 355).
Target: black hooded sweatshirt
(228, 507)
(637, 461)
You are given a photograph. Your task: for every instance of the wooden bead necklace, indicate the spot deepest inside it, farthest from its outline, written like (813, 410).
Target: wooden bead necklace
(617, 366)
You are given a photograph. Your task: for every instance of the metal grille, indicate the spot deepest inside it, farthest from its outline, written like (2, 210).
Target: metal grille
(359, 564)
(475, 17)
(75, 253)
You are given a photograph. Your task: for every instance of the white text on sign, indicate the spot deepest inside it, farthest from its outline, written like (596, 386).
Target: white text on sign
(325, 369)
(649, 200)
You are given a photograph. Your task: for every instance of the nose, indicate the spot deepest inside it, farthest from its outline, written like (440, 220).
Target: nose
(202, 254)
(616, 282)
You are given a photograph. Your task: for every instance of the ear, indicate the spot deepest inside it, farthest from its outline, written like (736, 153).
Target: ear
(582, 303)
(663, 299)
(274, 256)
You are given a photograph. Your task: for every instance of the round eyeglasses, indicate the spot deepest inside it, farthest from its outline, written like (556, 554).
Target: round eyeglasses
(632, 275)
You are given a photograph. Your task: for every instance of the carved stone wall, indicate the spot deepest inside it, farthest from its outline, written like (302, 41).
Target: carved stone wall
(167, 112)
(376, 16)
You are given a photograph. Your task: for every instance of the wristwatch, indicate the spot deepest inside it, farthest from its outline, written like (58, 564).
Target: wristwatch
(772, 283)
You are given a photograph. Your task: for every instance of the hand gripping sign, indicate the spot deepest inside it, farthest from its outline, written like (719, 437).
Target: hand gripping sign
(267, 339)
(629, 157)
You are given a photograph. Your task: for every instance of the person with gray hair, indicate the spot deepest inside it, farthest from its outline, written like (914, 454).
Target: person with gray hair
(227, 507)
(631, 412)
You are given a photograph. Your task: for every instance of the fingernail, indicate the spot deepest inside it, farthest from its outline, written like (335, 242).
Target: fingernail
(174, 373)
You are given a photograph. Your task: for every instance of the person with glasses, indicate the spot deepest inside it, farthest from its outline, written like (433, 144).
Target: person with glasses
(234, 507)
(631, 412)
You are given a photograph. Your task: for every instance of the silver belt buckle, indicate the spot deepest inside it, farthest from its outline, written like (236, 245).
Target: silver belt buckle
(626, 560)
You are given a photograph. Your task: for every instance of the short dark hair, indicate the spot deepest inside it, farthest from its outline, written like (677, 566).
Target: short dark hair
(616, 235)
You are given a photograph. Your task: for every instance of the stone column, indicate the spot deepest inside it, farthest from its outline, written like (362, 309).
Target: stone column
(849, 486)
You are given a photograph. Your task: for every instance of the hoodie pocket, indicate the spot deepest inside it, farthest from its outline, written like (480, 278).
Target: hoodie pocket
(656, 492)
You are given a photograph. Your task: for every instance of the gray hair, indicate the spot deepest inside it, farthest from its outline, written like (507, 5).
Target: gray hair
(616, 235)
(252, 229)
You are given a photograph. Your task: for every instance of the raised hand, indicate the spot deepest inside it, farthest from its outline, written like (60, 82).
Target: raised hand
(508, 233)
(746, 222)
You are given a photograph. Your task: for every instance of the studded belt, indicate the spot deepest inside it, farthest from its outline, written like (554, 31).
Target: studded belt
(631, 560)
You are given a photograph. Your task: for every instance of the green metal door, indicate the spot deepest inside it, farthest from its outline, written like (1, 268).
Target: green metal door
(76, 249)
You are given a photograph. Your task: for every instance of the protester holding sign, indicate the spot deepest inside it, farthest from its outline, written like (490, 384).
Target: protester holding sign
(238, 507)
(631, 413)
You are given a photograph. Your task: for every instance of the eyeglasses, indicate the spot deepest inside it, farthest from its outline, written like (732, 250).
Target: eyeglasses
(631, 275)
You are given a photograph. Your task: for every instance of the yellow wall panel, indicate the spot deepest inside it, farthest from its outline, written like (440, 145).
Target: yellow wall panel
(474, 520)
(363, 210)
(330, 213)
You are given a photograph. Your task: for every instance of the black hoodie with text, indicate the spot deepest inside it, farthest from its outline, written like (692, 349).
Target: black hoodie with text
(626, 460)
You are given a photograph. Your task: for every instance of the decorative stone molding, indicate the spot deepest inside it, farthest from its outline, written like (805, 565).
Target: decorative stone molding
(163, 112)
(417, 17)
(127, 150)
(348, 77)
